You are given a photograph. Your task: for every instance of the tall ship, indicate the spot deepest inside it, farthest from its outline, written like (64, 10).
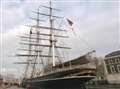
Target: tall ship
(46, 68)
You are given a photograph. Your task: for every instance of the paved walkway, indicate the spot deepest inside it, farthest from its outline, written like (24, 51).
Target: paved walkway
(14, 87)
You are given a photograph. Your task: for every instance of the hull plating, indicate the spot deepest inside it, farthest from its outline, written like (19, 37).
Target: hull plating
(58, 83)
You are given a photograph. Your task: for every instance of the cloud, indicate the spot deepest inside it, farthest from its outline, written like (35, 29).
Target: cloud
(11, 16)
(96, 26)
(9, 45)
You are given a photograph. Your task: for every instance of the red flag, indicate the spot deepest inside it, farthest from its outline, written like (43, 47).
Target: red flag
(70, 22)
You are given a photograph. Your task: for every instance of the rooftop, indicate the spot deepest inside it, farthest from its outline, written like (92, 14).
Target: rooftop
(115, 53)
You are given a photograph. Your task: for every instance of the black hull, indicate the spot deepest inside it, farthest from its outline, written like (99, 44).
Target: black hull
(58, 83)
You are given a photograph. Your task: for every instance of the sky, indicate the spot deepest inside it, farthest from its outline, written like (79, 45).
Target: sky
(96, 27)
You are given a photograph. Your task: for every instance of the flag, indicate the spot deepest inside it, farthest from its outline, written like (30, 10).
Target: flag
(71, 25)
(70, 22)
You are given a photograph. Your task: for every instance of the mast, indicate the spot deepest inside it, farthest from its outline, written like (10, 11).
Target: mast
(36, 36)
(29, 59)
(37, 47)
(52, 42)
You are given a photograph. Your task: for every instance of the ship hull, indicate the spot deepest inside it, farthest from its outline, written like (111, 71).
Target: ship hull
(58, 83)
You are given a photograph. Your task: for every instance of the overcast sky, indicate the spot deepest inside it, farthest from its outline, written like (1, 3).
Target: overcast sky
(96, 24)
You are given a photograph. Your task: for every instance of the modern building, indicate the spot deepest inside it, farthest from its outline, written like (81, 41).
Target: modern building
(112, 67)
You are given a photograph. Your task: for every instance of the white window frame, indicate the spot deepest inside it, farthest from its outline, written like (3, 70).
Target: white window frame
(117, 60)
(118, 68)
(112, 69)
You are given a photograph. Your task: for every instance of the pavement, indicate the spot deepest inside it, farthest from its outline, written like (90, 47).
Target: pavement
(14, 87)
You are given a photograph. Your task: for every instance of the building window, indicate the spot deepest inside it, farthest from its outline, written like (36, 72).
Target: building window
(118, 67)
(107, 62)
(112, 61)
(117, 60)
(108, 69)
(112, 68)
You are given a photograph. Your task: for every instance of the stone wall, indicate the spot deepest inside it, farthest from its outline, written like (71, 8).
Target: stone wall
(113, 78)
